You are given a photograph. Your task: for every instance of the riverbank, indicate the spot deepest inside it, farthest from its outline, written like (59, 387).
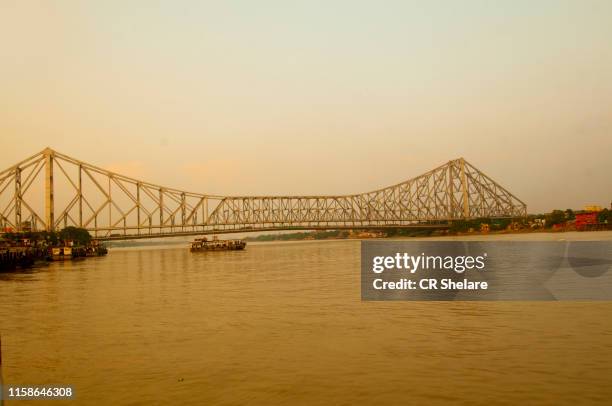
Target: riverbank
(436, 234)
(23, 249)
(26, 255)
(21, 257)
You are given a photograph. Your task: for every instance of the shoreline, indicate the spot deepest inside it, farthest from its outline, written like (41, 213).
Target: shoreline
(517, 236)
(538, 235)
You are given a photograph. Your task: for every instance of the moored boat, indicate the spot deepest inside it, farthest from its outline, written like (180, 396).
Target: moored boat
(67, 252)
(57, 253)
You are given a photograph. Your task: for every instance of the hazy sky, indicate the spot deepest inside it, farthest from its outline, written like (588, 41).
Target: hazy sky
(315, 97)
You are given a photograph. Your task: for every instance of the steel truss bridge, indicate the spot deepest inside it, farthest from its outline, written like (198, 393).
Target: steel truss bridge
(50, 191)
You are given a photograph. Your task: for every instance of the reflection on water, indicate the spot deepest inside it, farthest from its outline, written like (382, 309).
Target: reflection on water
(284, 323)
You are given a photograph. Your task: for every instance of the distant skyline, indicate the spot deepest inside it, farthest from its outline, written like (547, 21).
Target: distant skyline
(333, 97)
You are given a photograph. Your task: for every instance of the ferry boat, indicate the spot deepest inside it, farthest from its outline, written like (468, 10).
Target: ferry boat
(60, 253)
(95, 249)
(71, 251)
(67, 252)
(204, 244)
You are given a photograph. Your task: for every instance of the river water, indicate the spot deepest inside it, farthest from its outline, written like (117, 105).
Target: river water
(283, 323)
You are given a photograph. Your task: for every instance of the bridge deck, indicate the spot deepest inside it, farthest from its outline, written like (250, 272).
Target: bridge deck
(252, 230)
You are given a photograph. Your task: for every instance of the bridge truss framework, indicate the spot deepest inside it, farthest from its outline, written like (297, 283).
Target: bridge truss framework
(114, 206)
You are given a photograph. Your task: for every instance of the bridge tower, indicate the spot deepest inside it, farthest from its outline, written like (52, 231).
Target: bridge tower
(464, 188)
(49, 205)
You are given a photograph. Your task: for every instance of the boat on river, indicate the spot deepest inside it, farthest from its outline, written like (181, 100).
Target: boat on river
(204, 244)
(60, 253)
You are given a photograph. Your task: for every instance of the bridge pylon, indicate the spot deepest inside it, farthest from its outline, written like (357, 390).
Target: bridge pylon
(49, 205)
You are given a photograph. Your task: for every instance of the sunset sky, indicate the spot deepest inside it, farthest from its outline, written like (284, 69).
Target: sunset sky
(315, 97)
